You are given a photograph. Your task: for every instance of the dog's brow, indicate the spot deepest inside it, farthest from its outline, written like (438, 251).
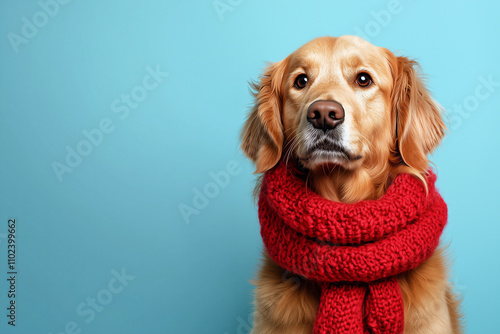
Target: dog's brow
(301, 62)
(355, 61)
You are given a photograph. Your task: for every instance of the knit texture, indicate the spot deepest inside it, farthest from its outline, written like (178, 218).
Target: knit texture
(354, 250)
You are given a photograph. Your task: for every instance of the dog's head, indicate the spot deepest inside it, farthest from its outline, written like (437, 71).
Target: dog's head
(342, 102)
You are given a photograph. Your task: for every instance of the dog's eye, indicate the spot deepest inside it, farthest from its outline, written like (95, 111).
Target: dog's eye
(300, 81)
(364, 79)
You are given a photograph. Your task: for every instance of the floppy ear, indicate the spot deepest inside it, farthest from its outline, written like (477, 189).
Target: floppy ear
(262, 134)
(419, 122)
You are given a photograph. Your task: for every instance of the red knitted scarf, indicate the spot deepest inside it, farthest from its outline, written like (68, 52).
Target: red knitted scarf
(354, 250)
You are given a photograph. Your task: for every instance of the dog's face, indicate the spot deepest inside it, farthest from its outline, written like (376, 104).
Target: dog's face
(342, 102)
(337, 102)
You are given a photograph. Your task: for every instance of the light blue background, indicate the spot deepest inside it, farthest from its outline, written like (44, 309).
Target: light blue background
(119, 208)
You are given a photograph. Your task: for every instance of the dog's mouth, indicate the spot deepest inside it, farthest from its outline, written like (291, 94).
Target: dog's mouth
(329, 146)
(328, 152)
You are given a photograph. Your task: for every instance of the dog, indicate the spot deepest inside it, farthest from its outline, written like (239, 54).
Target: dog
(354, 116)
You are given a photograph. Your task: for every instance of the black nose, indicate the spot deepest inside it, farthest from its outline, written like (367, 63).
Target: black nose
(325, 115)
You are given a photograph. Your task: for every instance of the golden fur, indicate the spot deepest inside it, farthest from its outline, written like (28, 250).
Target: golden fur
(392, 126)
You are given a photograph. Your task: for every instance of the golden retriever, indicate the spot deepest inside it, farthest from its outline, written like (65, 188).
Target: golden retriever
(373, 119)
